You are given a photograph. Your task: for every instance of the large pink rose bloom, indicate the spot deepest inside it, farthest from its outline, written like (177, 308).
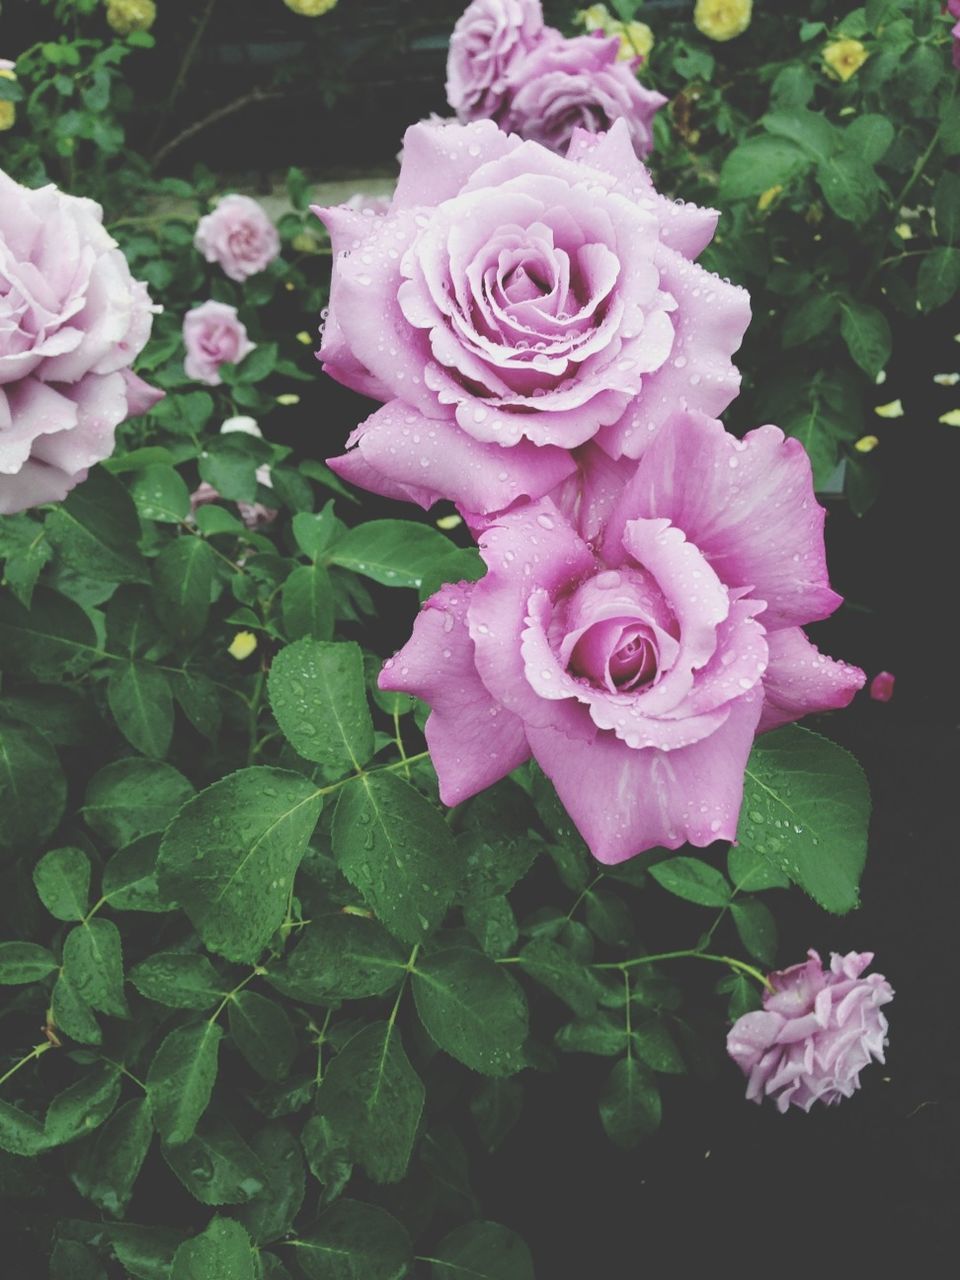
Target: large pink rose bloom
(637, 673)
(72, 321)
(569, 84)
(514, 305)
(239, 236)
(815, 1034)
(488, 38)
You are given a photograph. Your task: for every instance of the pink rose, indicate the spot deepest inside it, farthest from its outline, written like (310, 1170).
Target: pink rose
(514, 305)
(881, 686)
(213, 334)
(579, 84)
(815, 1034)
(72, 321)
(239, 235)
(489, 36)
(638, 672)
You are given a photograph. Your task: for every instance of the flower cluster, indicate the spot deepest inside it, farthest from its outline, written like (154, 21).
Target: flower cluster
(506, 65)
(72, 321)
(552, 359)
(816, 1032)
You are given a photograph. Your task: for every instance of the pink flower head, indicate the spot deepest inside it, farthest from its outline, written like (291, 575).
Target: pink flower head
(72, 321)
(239, 235)
(579, 84)
(881, 686)
(213, 334)
(514, 305)
(488, 38)
(637, 672)
(816, 1032)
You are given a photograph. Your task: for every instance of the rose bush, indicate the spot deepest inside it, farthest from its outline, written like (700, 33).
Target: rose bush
(514, 305)
(72, 321)
(637, 673)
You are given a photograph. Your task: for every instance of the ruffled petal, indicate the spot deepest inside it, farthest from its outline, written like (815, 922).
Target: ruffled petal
(800, 680)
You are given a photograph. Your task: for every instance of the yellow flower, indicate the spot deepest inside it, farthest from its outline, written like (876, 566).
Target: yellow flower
(844, 58)
(636, 38)
(946, 379)
(768, 197)
(866, 444)
(125, 16)
(311, 8)
(8, 110)
(242, 645)
(306, 338)
(892, 410)
(722, 19)
(904, 231)
(951, 419)
(595, 18)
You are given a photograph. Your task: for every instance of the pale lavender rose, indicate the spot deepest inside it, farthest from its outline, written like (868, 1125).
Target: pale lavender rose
(488, 38)
(513, 306)
(72, 321)
(637, 672)
(579, 84)
(213, 334)
(253, 514)
(815, 1034)
(238, 235)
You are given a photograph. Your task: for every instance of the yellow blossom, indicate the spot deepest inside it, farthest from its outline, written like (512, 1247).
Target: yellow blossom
(8, 110)
(722, 19)
(844, 58)
(306, 338)
(242, 645)
(449, 522)
(595, 18)
(636, 38)
(310, 8)
(946, 379)
(951, 419)
(288, 399)
(768, 197)
(125, 16)
(866, 444)
(892, 410)
(904, 231)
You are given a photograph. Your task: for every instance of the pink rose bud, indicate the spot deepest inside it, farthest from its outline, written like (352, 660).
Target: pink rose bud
(239, 235)
(72, 322)
(213, 335)
(881, 686)
(816, 1032)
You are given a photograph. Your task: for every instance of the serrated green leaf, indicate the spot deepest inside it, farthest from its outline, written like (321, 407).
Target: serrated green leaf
(866, 332)
(180, 980)
(221, 1252)
(23, 962)
(496, 1108)
(71, 1014)
(307, 603)
(481, 1251)
(810, 130)
(340, 957)
(395, 553)
(372, 1099)
(215, 1164)
(132, 798)
(263, 1033)
(869, 136)
(756, 927)
(160, 494)
(394, 847)
(182, 581)
(33, 790)
(146, 1252)
(473, 1009)
(629, 1104)
(107, 1168)
(96, 530)
(270, 1217)
(595, 1035)
(62, 880)
(93, 961)
(83, 1107)
(758, 164)
(230, 856)
(556, 969)
(655, 1046)
(354, 1241)
(181, 1078)
(493, 923)
(939, 278)
(20, 1133)
(849, 185)
(692, 879)
(130, 877)
(199, 701)
(52, 640)
(141, 703)
(319, 699)
(751, 872)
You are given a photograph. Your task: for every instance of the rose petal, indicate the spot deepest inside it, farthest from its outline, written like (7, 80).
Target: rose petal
(800, 680)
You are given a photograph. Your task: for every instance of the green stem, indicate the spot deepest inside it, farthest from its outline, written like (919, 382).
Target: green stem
(921, 164)
(383, 768)
(398, 738)
(730, 961)
(254, 716)
(184, 68)
(37, 1051)
(258, 971)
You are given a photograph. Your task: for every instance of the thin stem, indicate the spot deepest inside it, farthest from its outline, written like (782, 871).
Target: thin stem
(258, 972)
(730, 961)
(383, 768)
(398, 738)
(124, 1071)
(254, 716)
(593, 883)
(182, 72)
(320, 1042)
(37, 1051)
(921, 164)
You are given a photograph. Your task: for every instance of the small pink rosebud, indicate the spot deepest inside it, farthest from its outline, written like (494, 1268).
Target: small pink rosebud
(881, 686)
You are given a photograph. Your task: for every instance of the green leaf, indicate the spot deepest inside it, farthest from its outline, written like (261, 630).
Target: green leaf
(23, 962)
(496, 1108)
(271, 1216)
(808, 320)
(216, 1166)
(869, 136)
(751, 872)
(556, 969)
(939, 278)
(107, 1169)
(493, 923)
(946, 206)
(263, 1033)
(806, 807)
(629, 1104)
(597, 1035)
(232, 470)
(655, 1046)
(230, 856)
(849, 185)
(481, 1251)
(83, 1107)
(96, 530)
(62, 879)
(758, 164)
(867, 335)
(222, 1252)
(199, 701)
(130, 877)
(146, 1252)
(354, 1241)
(93, 960)
(340, 957)
(372, 1099)
(307, 603)
(71, 1013)
(181, 1078)
(161, 494)
(20, 1134)
(313, 532)
(141, 703)
(473, 1009)
(72, 1260)
(608, 917)
(53, 640)
(756, 927)
(319, 698)
(395, 553)
(182, 579)
(33, 790)
(179, 980)
(394, 847)
(808, 129)
(133, 797)
(693, 880)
